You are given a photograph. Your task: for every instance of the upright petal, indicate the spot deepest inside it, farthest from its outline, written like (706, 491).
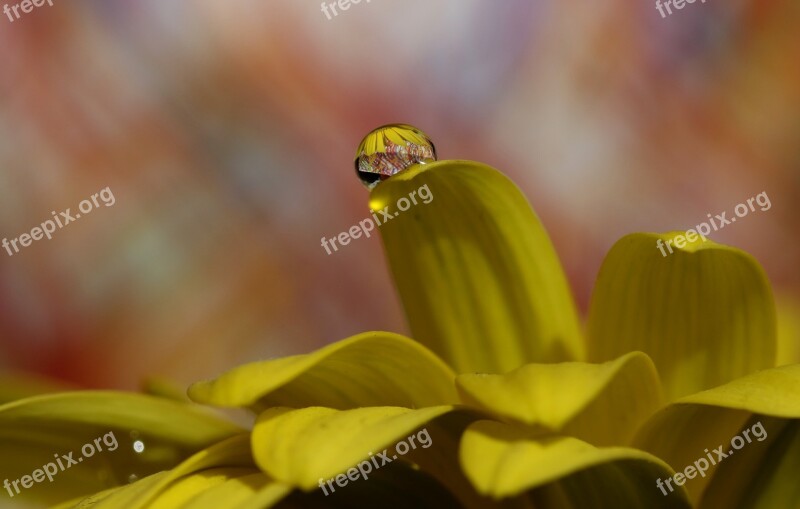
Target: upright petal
(704, 314)
(478, 277)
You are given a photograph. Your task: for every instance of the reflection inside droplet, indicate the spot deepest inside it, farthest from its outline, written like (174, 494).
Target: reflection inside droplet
(390, 149)
(138, 446)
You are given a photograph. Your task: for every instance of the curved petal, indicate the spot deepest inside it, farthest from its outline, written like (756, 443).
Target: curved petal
(694, 426)
(40, 430)
(164, 388)
(774, 392)
(253, 491)
(374, 368)
(119, 498)
(225, 472)
(233, 453)
(307, 446)
(19, 385)
(704, 314)
(505, 461)
(762, 474)
(478, 276)
(184, 490)
(600, 403)
(227, 487)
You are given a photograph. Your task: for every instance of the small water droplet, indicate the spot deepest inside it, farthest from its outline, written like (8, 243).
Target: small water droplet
(133, 478)
(138, 446)
(390, 149)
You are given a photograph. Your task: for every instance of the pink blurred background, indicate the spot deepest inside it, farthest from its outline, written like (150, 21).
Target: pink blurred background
(226, 131)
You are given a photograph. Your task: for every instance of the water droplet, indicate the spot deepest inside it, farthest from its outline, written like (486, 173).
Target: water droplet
(390, 149)
(133, 478)
(138, 446)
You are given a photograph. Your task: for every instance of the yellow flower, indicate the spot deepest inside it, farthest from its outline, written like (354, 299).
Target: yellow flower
(516, 405)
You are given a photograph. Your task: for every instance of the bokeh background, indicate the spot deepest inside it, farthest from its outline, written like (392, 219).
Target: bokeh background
(226, 131)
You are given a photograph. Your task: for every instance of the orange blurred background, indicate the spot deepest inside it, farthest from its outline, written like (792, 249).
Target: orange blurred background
(226, 131)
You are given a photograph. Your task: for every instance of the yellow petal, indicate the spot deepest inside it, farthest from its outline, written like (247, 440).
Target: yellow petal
(224, 472)
(600, 403)
(123, 496)
(478, 276)
(18, 385)
(234, 488)
(395, 137)
(690, 428)
(254, 491)
(307, 446)
(184, 490)
(375, 368)
(704, 314)
(774, 392)
(33, 430)
(505, 460)
(763, 473)
(201, 489)
(165, 388)
(231, 453)
(788, 330)
(91, 500)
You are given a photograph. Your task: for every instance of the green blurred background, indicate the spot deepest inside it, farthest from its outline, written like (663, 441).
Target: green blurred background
(226, 131)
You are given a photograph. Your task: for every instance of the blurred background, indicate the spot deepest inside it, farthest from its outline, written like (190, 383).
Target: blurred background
(226, 132)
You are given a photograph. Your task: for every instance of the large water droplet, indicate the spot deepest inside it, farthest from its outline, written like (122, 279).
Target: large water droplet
(390, 149)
